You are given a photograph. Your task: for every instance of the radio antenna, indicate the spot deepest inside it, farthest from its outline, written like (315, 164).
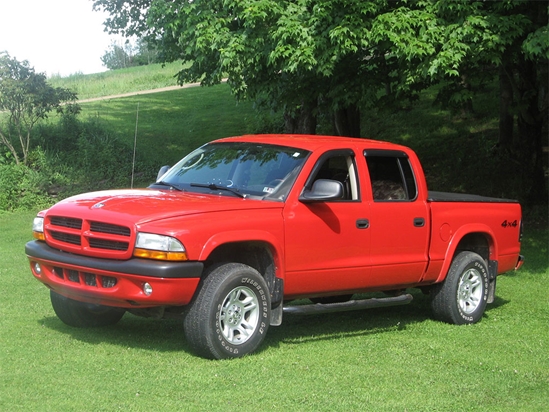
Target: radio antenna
(135, 142)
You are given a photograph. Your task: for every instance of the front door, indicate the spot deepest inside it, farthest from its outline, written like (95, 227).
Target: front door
(327, 242)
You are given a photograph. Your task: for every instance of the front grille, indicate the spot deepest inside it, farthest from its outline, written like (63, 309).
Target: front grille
(85, 278)
(100, 236)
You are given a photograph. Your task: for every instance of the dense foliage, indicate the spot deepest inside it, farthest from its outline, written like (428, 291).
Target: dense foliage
(309, 57)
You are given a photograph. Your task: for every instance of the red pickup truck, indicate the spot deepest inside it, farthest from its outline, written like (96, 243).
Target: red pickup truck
(242, 226)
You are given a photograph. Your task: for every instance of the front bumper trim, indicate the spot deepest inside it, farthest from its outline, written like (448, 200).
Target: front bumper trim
(135, 266)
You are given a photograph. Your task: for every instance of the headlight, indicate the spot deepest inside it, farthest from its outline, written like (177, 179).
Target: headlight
(151, 246)
(38, 228)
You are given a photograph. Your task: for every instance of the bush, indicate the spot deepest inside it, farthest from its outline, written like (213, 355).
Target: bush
(20, 188)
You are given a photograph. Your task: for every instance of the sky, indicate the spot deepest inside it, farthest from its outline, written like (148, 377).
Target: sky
(58, 37)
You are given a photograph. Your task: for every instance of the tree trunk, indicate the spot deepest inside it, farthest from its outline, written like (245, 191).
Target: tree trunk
(530, 126)
(302, 121)
(505, 101)
(347, 121)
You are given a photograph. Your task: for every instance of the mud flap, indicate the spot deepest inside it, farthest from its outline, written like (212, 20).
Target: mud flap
(492, 277)
(276, 315)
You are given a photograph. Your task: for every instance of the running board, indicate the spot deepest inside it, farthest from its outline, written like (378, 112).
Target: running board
(350, 305)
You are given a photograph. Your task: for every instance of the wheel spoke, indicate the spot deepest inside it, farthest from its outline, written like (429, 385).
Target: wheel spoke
(469, 291)
(239, 315)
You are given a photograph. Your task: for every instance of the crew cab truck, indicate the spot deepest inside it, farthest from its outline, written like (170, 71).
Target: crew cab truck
(242, 226)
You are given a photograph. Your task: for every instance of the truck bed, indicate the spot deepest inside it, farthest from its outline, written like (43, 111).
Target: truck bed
(461, 197)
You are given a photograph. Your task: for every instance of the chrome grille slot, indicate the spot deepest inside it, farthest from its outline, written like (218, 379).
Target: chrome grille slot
(66, 237)
(69, 222)
(108, 244)
(109, 229)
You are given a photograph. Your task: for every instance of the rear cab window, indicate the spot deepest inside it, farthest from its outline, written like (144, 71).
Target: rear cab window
(391, 176)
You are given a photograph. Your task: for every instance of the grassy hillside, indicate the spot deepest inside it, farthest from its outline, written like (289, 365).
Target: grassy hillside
(121, 81)
(170, 124)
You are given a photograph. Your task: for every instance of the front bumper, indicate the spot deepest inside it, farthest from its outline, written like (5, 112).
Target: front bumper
(114, 282)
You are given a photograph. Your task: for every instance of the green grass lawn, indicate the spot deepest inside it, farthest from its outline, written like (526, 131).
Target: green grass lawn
(390, 359)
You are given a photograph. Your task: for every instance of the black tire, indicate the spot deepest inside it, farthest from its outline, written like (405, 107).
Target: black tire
(461, 299)
(326, 300)
(230, 315)
(84, 315)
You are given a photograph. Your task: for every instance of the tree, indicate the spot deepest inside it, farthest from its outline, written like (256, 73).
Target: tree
(302, 56)
(129, 55)
(118, 57)
(457, 44)
(27, 98)
(286, 53)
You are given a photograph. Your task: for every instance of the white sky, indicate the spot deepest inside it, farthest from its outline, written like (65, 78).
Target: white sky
(55, 36)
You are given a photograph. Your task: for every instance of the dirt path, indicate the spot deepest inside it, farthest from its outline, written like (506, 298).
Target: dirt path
(117, 96)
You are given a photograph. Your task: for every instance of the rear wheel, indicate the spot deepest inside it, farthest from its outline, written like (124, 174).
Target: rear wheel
(84, 315)
(230, 316)
(462, 297)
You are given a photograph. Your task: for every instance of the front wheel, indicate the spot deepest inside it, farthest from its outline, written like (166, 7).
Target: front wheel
(462, 297)
(84, 315)
(230, 316)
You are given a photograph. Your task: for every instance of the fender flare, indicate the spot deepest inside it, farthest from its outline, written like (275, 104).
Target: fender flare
(457, 237)
(242, 236)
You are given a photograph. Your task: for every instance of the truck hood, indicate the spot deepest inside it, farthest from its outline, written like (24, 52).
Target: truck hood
(139, 206)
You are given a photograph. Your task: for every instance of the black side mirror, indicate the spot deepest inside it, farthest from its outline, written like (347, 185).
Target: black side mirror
(162, 171)
(322, 190)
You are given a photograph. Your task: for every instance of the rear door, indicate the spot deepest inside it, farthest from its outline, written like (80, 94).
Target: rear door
(399, 221)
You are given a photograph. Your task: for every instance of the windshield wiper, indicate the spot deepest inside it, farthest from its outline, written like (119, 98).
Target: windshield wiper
(162, 183)
(213, 186)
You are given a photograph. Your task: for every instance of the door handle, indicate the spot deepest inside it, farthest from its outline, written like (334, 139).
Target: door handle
(362, 224)
(419, 222)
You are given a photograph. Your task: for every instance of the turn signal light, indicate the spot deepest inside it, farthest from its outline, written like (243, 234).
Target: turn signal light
(159, 255)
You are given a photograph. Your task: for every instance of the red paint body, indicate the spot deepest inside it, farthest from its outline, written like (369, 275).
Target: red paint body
(318, 248)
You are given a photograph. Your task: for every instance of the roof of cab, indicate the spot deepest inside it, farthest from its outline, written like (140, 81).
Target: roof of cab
(313, 142)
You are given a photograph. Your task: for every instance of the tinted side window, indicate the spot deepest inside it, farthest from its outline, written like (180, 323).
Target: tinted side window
(391, 176)
(340, 166)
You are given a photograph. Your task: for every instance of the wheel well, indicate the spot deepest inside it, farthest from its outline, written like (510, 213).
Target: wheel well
(475, 242)
(257, 255)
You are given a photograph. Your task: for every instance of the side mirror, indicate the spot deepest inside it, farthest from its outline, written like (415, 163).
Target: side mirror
(162, 172)
(322, 190)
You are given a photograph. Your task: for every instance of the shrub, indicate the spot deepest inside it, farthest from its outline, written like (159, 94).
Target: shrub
(20, 188)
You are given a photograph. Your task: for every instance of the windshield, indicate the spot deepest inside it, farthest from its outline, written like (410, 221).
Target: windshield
(236, 168)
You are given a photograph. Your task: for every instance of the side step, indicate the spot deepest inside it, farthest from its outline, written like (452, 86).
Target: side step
(314, 309)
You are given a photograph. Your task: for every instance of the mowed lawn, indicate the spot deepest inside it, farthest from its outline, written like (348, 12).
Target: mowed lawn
(391, 359)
